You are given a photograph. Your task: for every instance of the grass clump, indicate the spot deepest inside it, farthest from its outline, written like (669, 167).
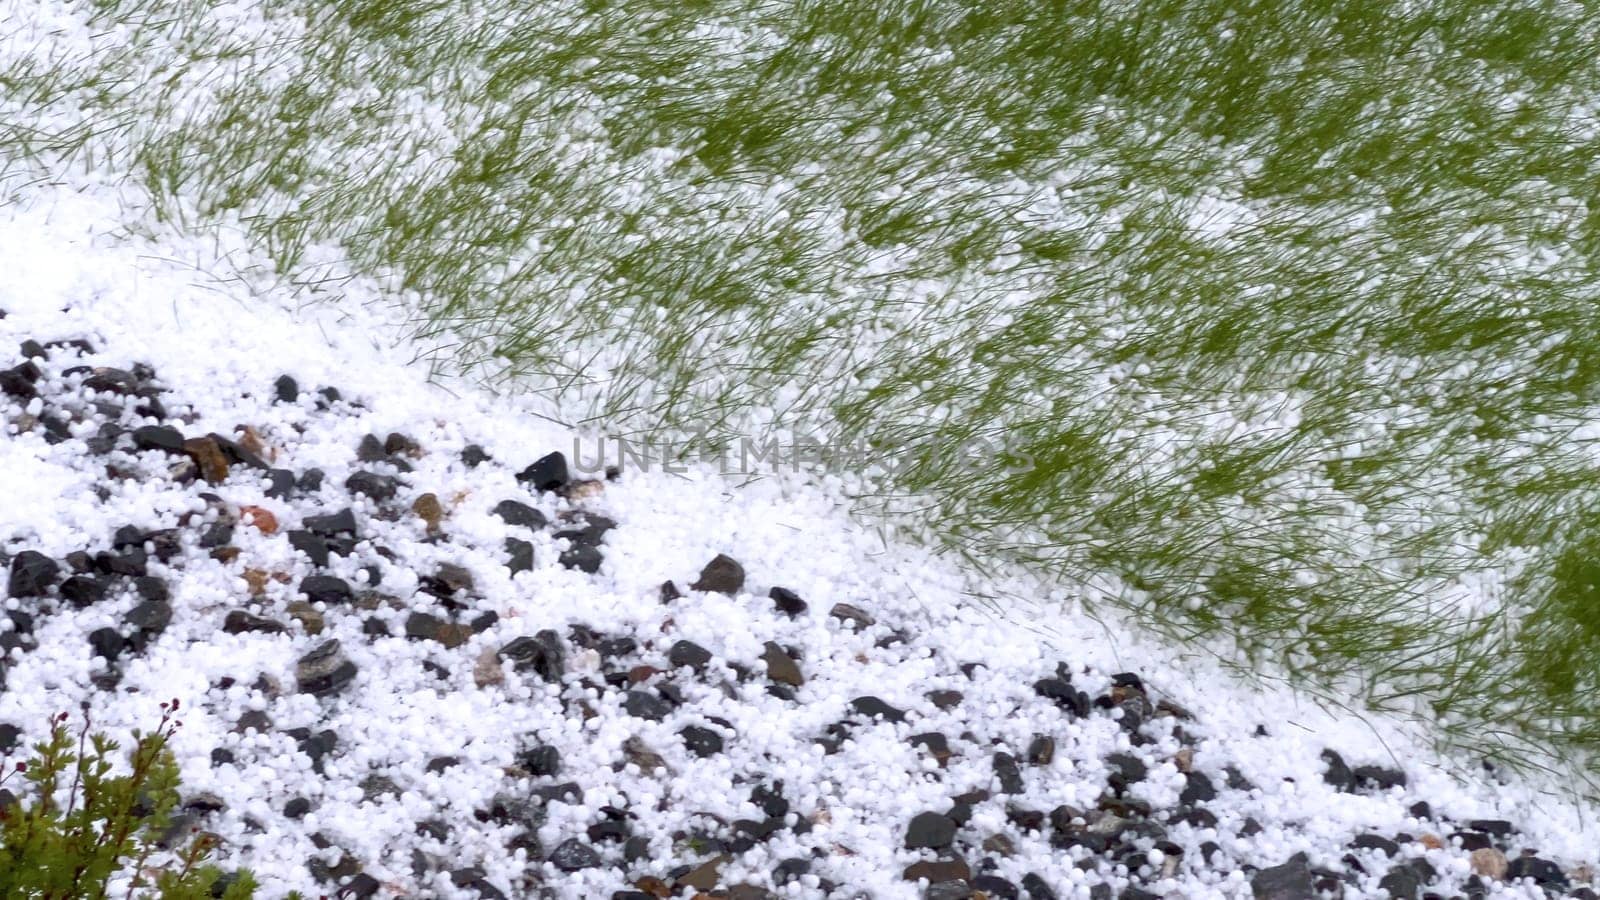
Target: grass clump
(82, 824)
(1289, 302)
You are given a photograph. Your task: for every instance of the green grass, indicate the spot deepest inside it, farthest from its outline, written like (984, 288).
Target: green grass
(1292, 302)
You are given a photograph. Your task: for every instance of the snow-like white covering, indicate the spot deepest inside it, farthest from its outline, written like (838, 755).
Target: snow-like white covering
(219, 344)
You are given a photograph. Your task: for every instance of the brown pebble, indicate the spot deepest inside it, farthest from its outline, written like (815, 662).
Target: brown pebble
(430, 510)
(781, 667)
(208, 456)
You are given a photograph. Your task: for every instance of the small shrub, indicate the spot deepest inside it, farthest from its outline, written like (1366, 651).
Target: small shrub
(79, 824)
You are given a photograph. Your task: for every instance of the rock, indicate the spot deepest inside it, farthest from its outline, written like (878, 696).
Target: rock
(307, 615)
(635, 751)
(1489, 862)
(872, 707)
(573, 855)
(542, 654)
(1068, 698)
(208, 457)
(326, 589)
(1375, 842)
(722, 575)
(32, 574)
(540, 761)
(582, 557)
(945, 699)
(548, 473)
(486, 671)
(342, 522)
(1036, 888)
(428, 508)
(397, 444)
(930, 830)
(1401, 883)
(240, 622)
(314, 547)
(370, 449)
(1289, 881)
(705, 876)
(645, 705)
(450, 579)
(937, 745)
(517, 513)
(1542, 871)
(84, 590)
(1338, 774)
(994, 887)
(473, 456)
(787, 601)
(521, 555)
(1042, 750)
(780, 666)
(379, 487)
(159, 437)
(943, 871)
(1197, 789)
(1005, 769)
(324, 671)
(18, 381)
(476, 879)
(1499, 828)
(217, 534)
(425, 627)
(701, 741)
(360, 886)
(853, 615)
(260, 517)
(285, 390)
(669, 592)
(280, 483)
(688, 653)
(106, 643)
(150, 616)
(1379, 778)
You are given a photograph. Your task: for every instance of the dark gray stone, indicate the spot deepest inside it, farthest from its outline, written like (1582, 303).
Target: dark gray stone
(645, 705)
(930, 830)
(573, 855)
(158, 437)
(285, 390)
(872, 707)
(1289, 881)
(515, 512)
(32, 574)
(548, 473)
(239, 622)
(521, 555)
(542, 654)
(324, 671)
(787, 601)
(701, 741)
(378, 487)
(582, 557)
(1197, 789)
(1338, 774)
(688, 653)
(326, 589)
(1542, 871)
(332, 524)
(1005, 768)
(84, 590)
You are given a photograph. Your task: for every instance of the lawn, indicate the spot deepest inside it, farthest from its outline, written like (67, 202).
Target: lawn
(1285, 312)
